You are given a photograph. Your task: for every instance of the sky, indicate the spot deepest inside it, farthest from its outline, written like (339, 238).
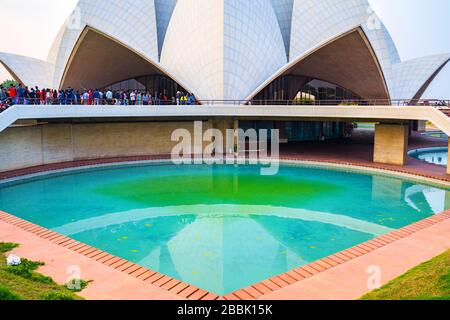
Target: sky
(418, 27)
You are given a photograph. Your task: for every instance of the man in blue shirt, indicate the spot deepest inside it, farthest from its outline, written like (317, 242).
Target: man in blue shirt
(21, 94)
(3, 99)
(71, 98)
(97, 97)
(62, 97)
(2, 93)
(190, 99)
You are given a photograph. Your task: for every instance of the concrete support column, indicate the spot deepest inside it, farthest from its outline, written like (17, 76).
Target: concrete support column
(421, 126)
(391, 144)
(418, 126)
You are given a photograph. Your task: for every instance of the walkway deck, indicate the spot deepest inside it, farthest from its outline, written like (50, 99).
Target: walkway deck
(350, 113)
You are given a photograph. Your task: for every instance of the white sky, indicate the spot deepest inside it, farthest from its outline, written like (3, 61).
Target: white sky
(418, 27)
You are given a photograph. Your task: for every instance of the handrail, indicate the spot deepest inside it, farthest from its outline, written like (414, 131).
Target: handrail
(127, 102)
(355, 102)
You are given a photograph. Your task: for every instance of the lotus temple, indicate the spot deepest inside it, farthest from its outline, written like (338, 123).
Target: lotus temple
(102, 194)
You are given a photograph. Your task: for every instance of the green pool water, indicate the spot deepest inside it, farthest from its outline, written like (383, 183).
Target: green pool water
(221, 228)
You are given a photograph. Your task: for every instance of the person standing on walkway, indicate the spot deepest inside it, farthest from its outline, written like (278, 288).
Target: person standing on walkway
(85, 98)
(32, 96)
(133, 98)
(48, 97)
(41, 94)
(191, 99)
(20, 94)
(12, 93)
(96, 97)
(62, 97)
(178, 95)
(55, 96)
(109, 97)
(71, 98)
(91, 97)
(3, 95)
(146, 98)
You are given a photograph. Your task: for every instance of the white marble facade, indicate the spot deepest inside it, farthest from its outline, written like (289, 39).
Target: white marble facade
(226, 49)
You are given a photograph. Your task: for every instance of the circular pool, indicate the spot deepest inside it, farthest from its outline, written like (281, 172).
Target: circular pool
(438, 155)
(221, 228)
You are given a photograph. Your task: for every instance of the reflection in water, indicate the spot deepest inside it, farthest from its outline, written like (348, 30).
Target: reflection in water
(440, 159)
(219, 247)
(420, 198)
(216, 211)
(438, 156)
(223, 252)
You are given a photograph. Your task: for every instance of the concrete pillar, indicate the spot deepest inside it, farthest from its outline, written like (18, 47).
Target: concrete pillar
(391, 144)
(421, 126)
(384, 188)
(418, 126)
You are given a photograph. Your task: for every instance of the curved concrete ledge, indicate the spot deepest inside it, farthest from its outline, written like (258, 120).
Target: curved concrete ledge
(35, 172)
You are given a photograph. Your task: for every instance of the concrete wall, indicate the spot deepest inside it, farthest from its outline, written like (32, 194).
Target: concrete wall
(27, 146)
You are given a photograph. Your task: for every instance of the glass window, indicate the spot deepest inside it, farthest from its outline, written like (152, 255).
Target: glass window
(152, 83)
(289, 87)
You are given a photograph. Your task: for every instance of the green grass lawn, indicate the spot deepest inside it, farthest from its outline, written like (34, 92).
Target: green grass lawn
(24, 283)
(428, 281)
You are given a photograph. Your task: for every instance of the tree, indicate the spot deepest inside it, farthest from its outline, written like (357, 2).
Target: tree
(8, 83)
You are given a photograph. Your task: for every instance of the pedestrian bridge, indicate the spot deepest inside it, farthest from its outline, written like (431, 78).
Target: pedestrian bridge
(317, 113)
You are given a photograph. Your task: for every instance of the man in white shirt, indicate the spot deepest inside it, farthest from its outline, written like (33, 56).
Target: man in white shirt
(133, 98)
(109, 96)
(85, 97)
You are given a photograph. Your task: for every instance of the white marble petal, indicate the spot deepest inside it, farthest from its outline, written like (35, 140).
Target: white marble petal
(283, 10)
(410, 76)
(223, 49)
(31, 72)
(226, 49)
(132, 22)
(315, 22)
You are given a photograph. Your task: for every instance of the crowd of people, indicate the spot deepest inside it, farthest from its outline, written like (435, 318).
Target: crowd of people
(19, 94)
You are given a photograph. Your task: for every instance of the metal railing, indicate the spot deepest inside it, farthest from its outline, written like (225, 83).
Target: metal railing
(4, 104)
(8, 102)
(372, 102)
